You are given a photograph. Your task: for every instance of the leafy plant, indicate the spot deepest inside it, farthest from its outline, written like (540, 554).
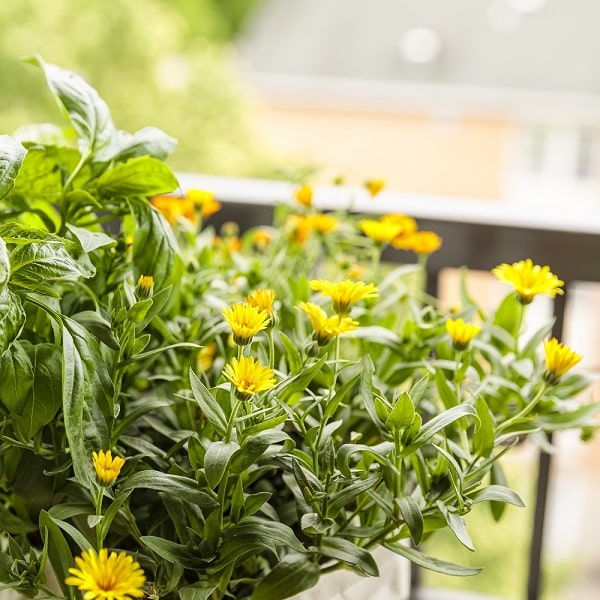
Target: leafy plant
(188, 402)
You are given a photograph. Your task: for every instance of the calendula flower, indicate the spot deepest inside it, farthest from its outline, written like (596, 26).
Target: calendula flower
(326, 327)
(263, 299)
(461, 333)
(245, 321)
(105, 576)
(107, 467)
(262, 237)
(322, 223)
(144, 287)
(408, 224)
(206, 356)
(344, 293)
(381, 232)
(174, 208)
(420, 242)
(529, 280)
(559, 359)
(299, 228)
(374, 186)
(356, 271)
(304, 195)
(205, 201)
(249, 376)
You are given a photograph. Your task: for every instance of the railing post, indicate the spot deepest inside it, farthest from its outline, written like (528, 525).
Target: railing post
(535, 576)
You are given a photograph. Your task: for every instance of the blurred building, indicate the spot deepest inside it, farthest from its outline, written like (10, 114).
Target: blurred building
(495, 99)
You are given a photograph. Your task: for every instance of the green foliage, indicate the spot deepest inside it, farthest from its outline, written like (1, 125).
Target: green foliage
(250, 485)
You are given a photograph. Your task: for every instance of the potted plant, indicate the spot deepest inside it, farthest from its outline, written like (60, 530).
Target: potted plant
(198, 414)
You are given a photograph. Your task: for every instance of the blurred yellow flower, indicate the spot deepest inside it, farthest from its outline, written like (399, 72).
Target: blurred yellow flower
(174, 208)
(322, 223)
(408, 224)
(206, 357)
(304, 195)
(381, 232)
(461, 333)
(245, 321)
(326, 327)
(420, 242)
(106, 466)
(249, 376)
(559, 359)
(262, 237)
(344, 293)
(205, 201)
(107, 577)
(356, 271)
(263, 299)
(374, 186)
(529, 280)
(299, 228)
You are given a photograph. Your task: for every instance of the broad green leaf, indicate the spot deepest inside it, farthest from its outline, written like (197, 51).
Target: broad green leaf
(216, 459)
(11, 523)
(82, 105)
(292, 575)
(402, 414)
(208, 404)
(97, 325)
(141, 176)
(509, 316)
(253, 447)
(91, 240)
(148, 141)
(267, 531)
(428, 562)
(87, 399)
(313, 524)
(340, 499)
(154, 246)
(584, 415)
(44, 396)
(418, 389)
(447, 393)
(457, 526)
(12, 154)
(4, 265)
(350, 554)
(172, 552)
(12, 318)
(409, 509)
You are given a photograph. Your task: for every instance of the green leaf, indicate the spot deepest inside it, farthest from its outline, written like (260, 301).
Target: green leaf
(483, 438)
(350, 554)
(148, 141)
(216, 459)
(447, 394)
(12, 154)
(12, 318)
(141, 176)
(208, 404)
(82, 105)
(182, 487)
(402, 414)
(270, 532)
(497, 493)
(313, 524)
(509, 316)
(292, 575)
(457, 526)
(201, 590)
(340, 499)
(412, 516)
(154, 246)
(86, 389)
(91, 240)
(254, 447)
(428, 562)
(172, 552)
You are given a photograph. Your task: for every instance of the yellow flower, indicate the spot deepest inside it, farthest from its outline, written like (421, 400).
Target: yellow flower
(356, 271)
(304, 195)
(245, 321)
(262, 237)
(326, 327)
(263, 299)
(529, 280)
(145, 286)
(345, 293)
(299, 228)
(206, 356)
(408, 224)
(249, 376)
(421, 242)
(374, 186)
(461, 333)
(381, 232)
(205, 201)
(107, 577)
(174, 208)
(322, 223)
(107, 467)
(559, 359)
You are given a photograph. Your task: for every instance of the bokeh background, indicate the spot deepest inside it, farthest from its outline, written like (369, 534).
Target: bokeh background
(494, 100)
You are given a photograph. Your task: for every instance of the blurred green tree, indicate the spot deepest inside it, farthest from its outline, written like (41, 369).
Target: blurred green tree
(162, 62)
